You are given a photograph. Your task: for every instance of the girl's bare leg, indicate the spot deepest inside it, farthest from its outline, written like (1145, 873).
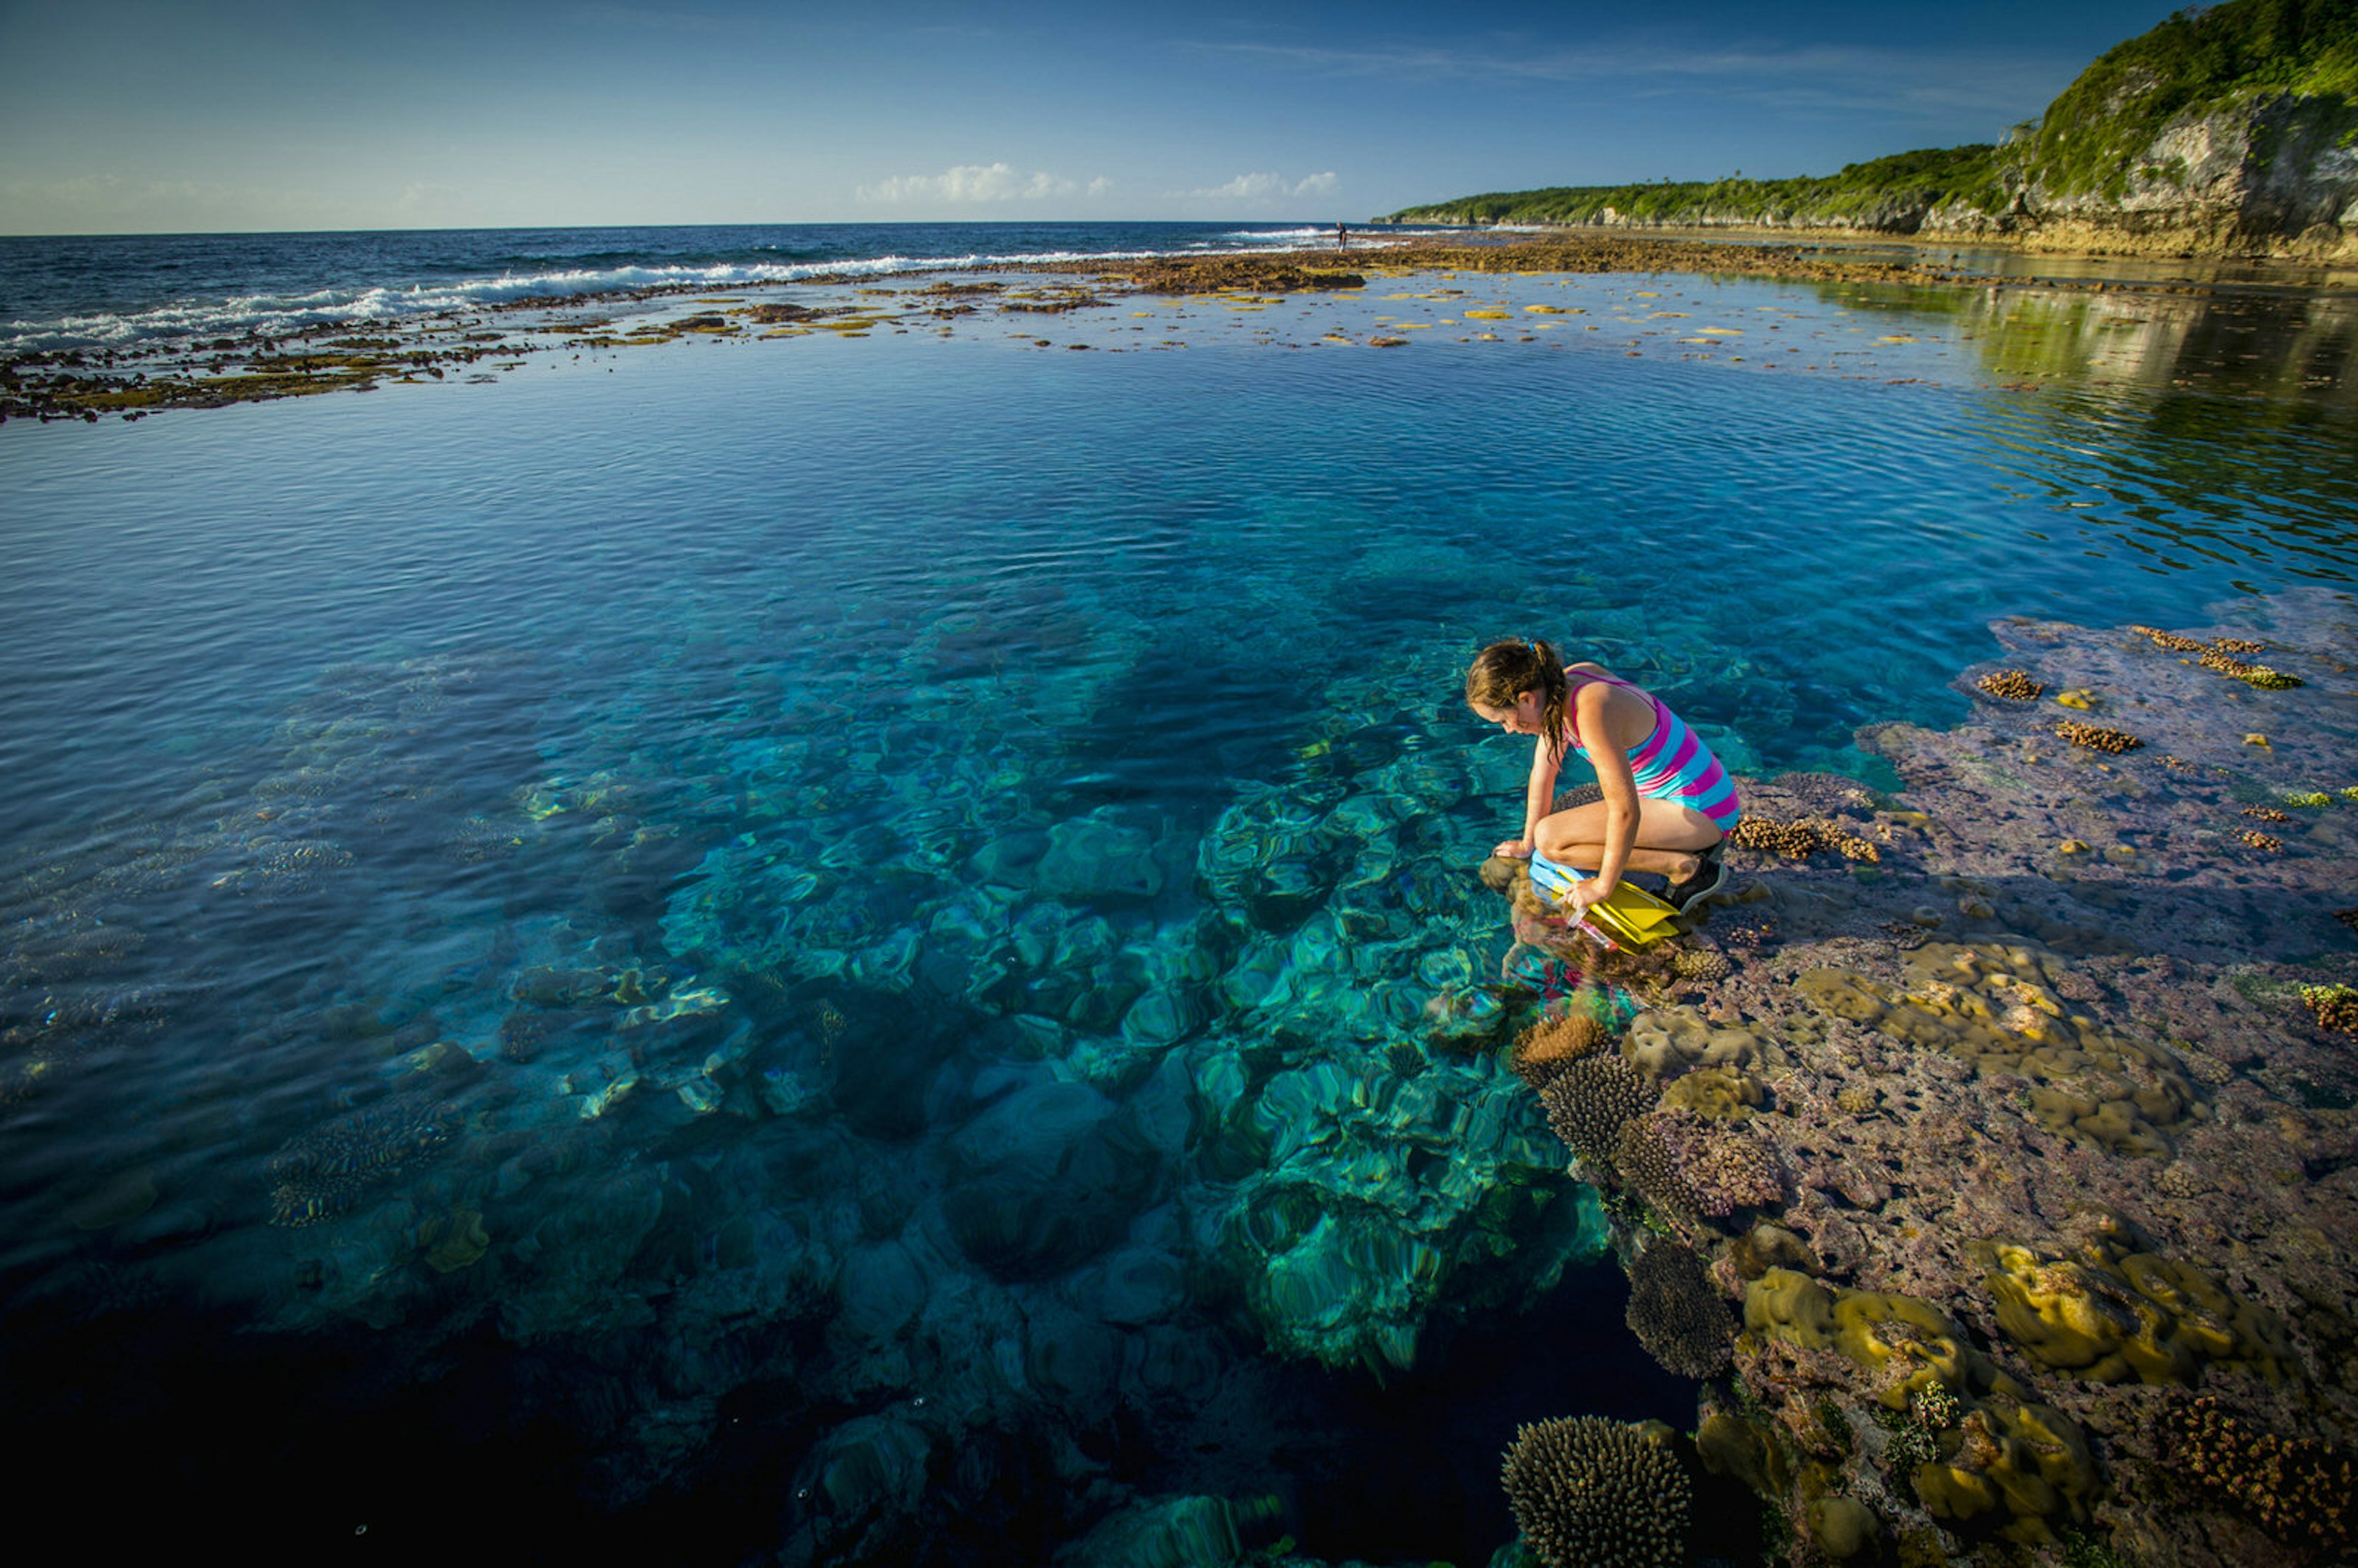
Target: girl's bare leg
(1668, 835)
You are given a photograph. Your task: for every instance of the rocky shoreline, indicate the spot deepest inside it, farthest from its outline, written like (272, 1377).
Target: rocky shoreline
(2065, 1170)
(481, 344)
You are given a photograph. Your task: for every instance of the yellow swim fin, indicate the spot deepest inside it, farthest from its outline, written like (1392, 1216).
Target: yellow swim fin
(1631, 917)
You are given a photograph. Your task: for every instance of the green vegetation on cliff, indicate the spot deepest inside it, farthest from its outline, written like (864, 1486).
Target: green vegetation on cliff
(2093, 135)
(1859, 194)
(2093, 140)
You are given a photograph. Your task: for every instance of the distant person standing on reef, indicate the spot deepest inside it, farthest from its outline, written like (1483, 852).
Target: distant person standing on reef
(1342, 237)
(1668, 806)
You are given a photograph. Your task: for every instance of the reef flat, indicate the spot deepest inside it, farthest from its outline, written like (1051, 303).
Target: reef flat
(483, 344)
(2066, 1165)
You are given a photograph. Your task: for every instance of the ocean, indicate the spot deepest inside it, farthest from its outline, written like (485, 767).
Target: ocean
(867, 947)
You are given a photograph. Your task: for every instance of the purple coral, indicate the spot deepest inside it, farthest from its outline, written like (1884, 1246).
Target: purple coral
(1724, 1168)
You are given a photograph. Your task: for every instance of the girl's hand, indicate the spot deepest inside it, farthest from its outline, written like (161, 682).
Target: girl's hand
(1577, 899)
(1514, 850)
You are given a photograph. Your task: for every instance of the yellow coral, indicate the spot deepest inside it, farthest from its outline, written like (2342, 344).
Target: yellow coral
(2117, 1317)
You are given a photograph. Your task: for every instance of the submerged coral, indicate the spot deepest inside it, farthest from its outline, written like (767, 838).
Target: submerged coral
(2096, 738)
(1800, 840)
(2116, 1316)
(2170, 640)
(1592, 1493)
(323, 1172)
(1719, 1165)
(1590, 1102)
(2336, 1007)
(2297, 1489)
(1676, 1314)
(2014, 685)
(1545, 1050)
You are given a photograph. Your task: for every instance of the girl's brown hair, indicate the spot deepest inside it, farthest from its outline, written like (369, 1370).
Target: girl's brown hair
(1502, 671)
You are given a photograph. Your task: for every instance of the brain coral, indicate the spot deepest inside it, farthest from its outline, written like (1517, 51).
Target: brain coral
(1592, 1493)
(1589, 1101)
(1676, 1314)
(2116, 1316)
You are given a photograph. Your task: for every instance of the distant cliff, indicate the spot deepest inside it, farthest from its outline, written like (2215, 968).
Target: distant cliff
(2231, 130)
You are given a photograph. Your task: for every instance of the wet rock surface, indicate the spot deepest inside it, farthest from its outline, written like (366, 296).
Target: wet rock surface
(2065, 1144)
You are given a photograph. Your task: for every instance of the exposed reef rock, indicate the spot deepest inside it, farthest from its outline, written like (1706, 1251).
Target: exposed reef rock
(2042, 1118)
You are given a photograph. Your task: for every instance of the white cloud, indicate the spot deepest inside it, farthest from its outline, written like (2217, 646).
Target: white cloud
(972, 183)
(1265, 187)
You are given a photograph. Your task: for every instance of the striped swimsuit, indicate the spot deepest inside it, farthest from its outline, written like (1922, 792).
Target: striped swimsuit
(1671, 763)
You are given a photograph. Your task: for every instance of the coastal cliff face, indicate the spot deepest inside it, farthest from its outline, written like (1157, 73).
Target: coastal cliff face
(2275, 173)
(2231, 131)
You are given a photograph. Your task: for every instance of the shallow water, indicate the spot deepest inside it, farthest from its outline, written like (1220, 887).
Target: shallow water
(803, 940)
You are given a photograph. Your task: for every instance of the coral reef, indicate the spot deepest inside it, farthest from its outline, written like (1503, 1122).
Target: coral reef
(2170, 640)
(2336, 1007)
(1719, 1167)
(1642, 1160)
(2111, 1316)
(2014, 685)
(1544, 1049)
(1675, 1313)
(2251, 837)
(324, 1172)
(2302, 1491)
(2096, 738)
(1592, 1493)
(2023, 1466)
(1800, 840)
(1589, 1103)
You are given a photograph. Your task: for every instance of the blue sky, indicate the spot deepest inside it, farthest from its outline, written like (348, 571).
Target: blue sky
(259, 114)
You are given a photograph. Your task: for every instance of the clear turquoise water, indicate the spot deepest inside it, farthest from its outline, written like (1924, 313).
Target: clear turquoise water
(903, 882)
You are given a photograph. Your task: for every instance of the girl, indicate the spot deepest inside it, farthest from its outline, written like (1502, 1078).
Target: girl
(1668, 806)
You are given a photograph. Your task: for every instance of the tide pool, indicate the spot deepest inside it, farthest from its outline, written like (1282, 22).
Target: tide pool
(863, 950)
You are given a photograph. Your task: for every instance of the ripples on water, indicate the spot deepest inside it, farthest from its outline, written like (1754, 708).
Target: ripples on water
(836, 952)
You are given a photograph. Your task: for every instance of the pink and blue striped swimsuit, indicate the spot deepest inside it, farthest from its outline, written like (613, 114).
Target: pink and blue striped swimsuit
(1671, 763)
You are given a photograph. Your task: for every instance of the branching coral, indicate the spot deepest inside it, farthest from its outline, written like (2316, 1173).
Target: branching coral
(1719, 1167)
(2259, 676)
(1701, 966)
(1676, 1314)
(1545, 1050)
(1589, 1102)
(1646, 1165)
(2096, 738)
(2336, 1007)
(2254, 838)
(322, 1172)
(2266, 813)
(1800, 840)
(2170, 640)
(1592, 1493)
(2297, 1489)
(2014, 685)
